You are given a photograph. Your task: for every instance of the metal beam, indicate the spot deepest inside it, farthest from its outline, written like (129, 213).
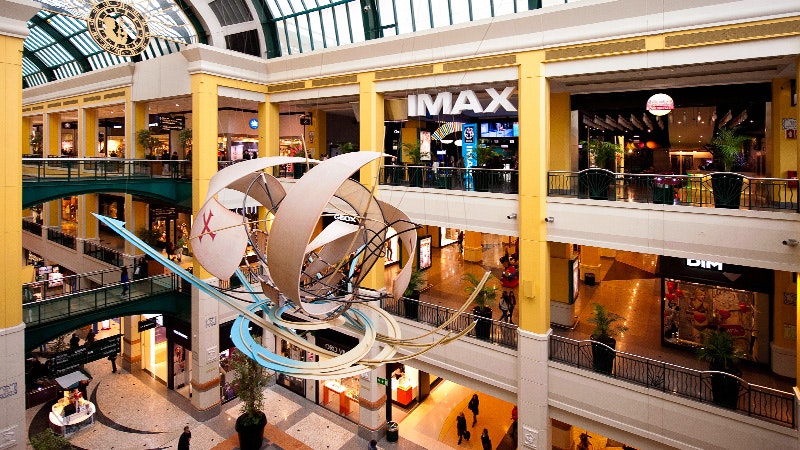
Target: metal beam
(64, 42)
(202, 34)
(272, 44)
(44, 68)
(371, 19)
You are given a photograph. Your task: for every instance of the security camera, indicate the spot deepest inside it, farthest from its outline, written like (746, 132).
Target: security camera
(511, 216)
(790, 242)
(550, 219)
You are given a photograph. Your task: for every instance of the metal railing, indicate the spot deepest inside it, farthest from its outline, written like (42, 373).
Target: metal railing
(32, 227)
(719, 189)
(69, 305)
(493, 331)
(105, 254)
(757, 401)
(505, 181)
(70, 284)
(40, 169)
(61, 238)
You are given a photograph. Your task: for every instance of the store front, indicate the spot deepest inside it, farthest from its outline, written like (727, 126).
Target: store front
(339, 395)
(179, 346)
(154, 348)
(698, 294)
(227, 347)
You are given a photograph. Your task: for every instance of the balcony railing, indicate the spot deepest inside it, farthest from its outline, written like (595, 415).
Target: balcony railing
(70, 284)
(720, 189)
(102, 253)
(61, 238)
(32, 227)
(493, 331)
(40, 169)
(753, 400)
(504, 181)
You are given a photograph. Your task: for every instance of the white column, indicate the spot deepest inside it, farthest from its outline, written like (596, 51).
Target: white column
(533, 425)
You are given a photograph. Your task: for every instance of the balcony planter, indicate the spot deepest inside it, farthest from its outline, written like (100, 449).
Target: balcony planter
(483, 329)
(485, 297)
(298, 169)
(719, 350)
(603, 344)
(411, 295)
(727, 189)
(725, 389)
(663, 194)
(416, 176)
(596, 184)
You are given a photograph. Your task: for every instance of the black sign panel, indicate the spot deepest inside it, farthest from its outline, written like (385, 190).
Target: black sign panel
(752, 279)
(70, 360)
(147, 324)
(171, 122)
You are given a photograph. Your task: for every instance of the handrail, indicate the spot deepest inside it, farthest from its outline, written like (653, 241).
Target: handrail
(73, 304)
(505, 181)
(712, 189)
(493, 331)
(71, 284)
(762, 402)
(42, 169)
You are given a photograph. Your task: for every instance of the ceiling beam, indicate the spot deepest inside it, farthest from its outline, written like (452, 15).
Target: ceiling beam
(64, 42)
(44, 68)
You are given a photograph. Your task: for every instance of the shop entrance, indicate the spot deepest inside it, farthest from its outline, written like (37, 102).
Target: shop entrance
(153, 342)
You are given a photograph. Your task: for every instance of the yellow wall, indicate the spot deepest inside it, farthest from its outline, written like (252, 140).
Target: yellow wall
(784, 317)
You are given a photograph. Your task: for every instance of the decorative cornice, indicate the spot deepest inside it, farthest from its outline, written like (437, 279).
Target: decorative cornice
(14, 16)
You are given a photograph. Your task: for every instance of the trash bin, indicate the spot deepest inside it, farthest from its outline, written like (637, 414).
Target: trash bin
(392, 431)
(588, 279)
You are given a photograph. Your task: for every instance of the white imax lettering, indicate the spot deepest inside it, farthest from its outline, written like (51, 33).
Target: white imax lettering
(422, 104)
(704, 264)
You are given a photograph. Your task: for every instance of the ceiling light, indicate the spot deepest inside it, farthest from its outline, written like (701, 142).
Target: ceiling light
(660, 104)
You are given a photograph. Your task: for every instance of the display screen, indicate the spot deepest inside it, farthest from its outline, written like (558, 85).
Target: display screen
(499, 129)
(424, 252)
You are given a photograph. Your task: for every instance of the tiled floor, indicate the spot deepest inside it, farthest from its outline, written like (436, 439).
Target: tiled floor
(137, 413)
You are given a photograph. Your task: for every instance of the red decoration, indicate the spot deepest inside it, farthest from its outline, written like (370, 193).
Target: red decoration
(670, 286)
(724, 313)
(699, 317)
(743, 307)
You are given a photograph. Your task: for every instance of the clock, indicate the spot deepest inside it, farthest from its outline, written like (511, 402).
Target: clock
(118, 28)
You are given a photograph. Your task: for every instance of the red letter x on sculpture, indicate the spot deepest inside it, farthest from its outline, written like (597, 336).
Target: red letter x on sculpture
(206, 229)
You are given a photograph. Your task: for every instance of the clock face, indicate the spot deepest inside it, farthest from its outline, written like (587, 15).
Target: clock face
(118, 28)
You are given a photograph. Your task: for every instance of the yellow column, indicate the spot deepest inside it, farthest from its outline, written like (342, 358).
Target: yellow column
(473, 246)
(13, 16)
(26, 133)
(534, 143)
(88, 225)
(269, 129)
(371, 139)
(51, 139)
(204, 142)
(560, 136)
(796, 163)
(135, 219)
(136, 119)
(87, 129)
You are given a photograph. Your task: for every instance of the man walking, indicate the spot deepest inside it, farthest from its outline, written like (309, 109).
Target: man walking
(183, 442)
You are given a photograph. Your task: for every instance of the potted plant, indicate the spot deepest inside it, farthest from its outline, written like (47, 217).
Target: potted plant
(47, 440)
(149, 142)
(411, 294)
(606, 326)
(602, 154)
(413, 152)
(185, 138)
(483, 302)
(251, 379)
(726, 145)
(720, 352)
(597, 182)
(484, 155)
(36, 143)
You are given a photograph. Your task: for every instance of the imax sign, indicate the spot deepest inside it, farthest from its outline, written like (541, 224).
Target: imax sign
(424, 104)
(704, 264)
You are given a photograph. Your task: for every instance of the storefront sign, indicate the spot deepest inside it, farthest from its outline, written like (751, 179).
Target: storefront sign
(469, 151)
(704, 264)
(424, 104)
(254, 123)
(346, 218)
(147, 324)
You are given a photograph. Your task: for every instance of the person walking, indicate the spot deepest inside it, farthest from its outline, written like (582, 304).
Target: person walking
(89, 338)
(486, 442)
(473, 406)
(504, 306)
(461, 427)
(186, 436)
(373, 445)
(512, 302)
(124, 278)
(113, 359)
(74, 341)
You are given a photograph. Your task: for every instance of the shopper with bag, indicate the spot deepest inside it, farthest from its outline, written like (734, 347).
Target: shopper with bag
(461, 427)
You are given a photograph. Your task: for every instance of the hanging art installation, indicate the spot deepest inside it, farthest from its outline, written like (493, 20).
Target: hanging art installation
(313, 275)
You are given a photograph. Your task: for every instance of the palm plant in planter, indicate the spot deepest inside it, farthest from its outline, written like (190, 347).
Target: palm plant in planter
(606, 326)
(483, 303)
(251, 379)
(413, 151)
(720, 352)
(726, 145)
(411, 294)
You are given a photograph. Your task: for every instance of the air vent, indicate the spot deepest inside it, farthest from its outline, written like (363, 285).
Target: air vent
(244, 42)
(230, 12)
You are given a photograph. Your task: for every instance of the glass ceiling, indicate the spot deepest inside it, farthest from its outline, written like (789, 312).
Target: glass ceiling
(59, 45)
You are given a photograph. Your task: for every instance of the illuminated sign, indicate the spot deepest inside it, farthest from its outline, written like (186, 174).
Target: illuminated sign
(424, 104)
(703, 264)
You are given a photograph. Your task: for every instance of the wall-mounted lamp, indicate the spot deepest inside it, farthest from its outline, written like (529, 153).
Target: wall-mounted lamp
(550, 219)
(511, 216)
(790, 242)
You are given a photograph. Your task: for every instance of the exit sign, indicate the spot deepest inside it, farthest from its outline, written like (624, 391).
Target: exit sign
(382, 381)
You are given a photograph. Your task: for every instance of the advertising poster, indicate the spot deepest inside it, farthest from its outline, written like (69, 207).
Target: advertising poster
(424, 252)
(425, 145)
(391, 253)
(469, 151)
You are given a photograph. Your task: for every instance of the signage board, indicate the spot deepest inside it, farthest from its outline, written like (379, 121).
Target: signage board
(147, 324)
(171, 122)
(71, 360)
